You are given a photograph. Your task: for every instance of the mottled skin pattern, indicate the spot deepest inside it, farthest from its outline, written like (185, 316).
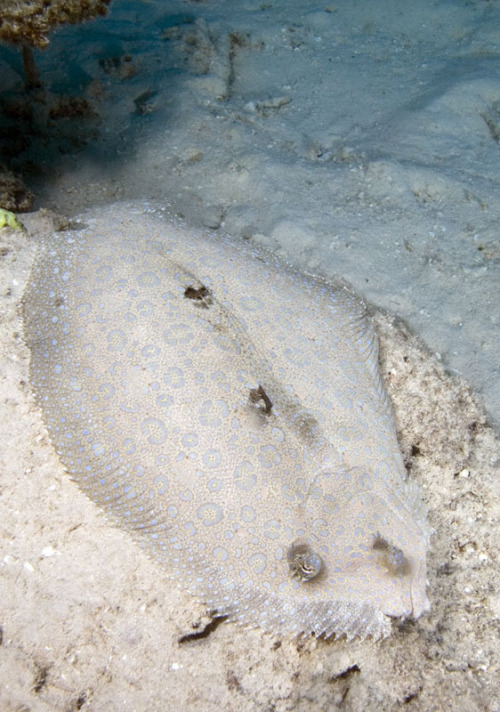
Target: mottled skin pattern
(228, 412)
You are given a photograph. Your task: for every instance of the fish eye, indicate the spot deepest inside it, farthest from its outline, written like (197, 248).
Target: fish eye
(303, 562)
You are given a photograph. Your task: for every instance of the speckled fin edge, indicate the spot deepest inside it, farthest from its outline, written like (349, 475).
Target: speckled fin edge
(339, 618)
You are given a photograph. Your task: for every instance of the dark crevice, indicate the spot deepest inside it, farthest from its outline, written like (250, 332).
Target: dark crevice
(41, 675)
(412, 696)
(207, 630)
(345, 674)
(80, 701)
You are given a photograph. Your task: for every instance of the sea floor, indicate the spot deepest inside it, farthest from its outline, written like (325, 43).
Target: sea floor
(356, 139)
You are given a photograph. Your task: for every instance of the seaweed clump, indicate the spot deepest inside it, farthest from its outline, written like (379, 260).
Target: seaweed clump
(29, 23)
(35, 114)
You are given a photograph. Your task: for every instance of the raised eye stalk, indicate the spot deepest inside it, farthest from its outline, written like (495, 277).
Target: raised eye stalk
(303, 562)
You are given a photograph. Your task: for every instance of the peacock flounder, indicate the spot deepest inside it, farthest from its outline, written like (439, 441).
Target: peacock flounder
(228, 411)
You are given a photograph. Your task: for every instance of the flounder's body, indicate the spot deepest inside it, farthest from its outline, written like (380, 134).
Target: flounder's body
(228, 411)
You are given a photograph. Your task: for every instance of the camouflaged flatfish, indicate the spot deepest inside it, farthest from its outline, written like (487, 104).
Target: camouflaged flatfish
(228, 411)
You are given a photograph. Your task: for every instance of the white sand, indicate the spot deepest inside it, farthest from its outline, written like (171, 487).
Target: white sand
(358, 139)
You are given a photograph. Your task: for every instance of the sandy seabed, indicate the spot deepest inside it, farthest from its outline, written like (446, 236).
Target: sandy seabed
(88, 622)
(355, 139)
